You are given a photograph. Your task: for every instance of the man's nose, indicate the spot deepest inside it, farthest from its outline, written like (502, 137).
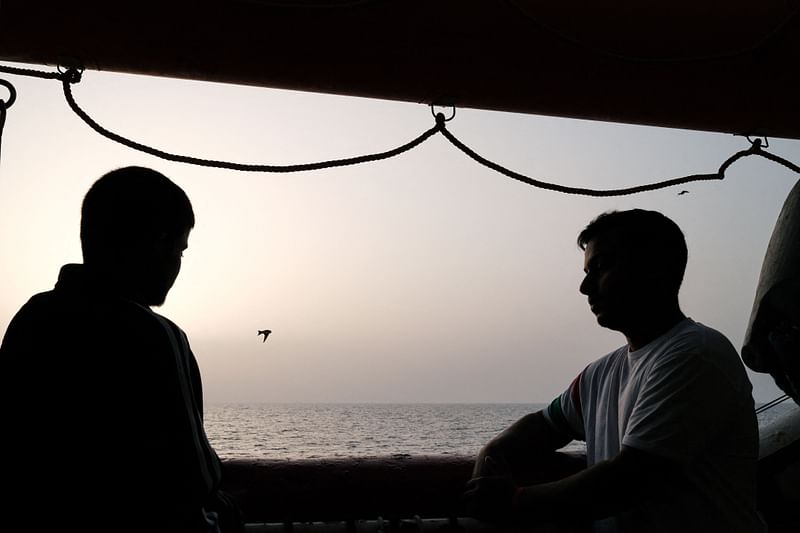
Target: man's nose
(585, 285)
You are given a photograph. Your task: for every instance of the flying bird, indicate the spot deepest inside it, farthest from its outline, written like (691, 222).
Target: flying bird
(265, 332)
(683, 192)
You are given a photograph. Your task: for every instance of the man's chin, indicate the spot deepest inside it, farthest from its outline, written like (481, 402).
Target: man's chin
(605, 320)
(156, 300)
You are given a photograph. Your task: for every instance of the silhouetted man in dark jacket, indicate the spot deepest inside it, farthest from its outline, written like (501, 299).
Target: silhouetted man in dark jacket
(102, 397)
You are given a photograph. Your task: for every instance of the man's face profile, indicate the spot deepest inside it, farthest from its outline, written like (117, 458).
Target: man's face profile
(614, 281)
(162, 267)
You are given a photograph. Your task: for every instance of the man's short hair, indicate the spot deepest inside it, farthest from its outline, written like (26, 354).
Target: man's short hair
(649, 233)
(130, 206)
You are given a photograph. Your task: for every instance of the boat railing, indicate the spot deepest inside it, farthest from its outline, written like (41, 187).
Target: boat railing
(422, 494)
(391, 494)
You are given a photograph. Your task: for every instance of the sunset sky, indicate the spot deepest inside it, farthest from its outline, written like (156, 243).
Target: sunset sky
(423, 278)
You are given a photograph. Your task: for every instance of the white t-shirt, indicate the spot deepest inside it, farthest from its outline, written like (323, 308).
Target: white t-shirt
(684, 396)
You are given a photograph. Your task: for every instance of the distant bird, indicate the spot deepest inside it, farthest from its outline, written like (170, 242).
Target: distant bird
(265, 332)
(683, 192)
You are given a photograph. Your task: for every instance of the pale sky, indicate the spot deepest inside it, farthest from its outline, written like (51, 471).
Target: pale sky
(423, 278)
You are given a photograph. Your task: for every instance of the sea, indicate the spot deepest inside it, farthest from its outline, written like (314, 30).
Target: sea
(313, 431)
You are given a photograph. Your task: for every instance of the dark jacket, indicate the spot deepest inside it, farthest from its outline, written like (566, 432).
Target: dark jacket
(102, 411)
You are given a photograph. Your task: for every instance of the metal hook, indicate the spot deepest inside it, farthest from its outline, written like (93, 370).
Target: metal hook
(71, 71)
(12, 94)
(447, 119)
(66, 64)
(753, 142)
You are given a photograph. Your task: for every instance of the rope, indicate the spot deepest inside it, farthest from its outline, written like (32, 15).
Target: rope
(781, 161)
(245, 167)
(32, 73)
(5, 104)
(2, 122)
(773, 403)
(579, 190)
(73, 75)
(755, 149)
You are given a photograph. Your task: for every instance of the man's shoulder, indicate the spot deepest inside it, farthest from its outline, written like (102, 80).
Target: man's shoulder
(691, 327)
(695, 337)
(39, 300)
(38, 307)
(157, 317)
(144, 319)
(78, 311)
(705, 353)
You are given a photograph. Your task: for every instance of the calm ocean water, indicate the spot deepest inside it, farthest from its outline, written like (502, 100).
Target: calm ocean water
(348, 430)
(304, 431)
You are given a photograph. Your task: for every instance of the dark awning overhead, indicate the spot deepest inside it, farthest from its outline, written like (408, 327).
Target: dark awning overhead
(716, 66)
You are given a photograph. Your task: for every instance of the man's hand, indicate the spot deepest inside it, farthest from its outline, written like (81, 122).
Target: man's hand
(490, 496)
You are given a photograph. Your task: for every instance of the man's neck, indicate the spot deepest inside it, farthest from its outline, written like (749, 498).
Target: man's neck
(652, 327)
(115, 281)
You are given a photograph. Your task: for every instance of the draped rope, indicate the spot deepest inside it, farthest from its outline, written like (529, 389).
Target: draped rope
(31, 73)
(72, 76)
(244, 167)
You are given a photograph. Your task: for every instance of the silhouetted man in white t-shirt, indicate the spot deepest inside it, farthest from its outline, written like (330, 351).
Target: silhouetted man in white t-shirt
(668, 419)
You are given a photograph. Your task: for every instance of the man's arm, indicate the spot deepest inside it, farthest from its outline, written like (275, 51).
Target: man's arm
(523, 454)
(601, 490)
(519, 448)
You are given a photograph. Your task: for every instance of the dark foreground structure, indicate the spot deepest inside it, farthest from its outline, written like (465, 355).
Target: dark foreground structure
(727, 67)
(696, 65)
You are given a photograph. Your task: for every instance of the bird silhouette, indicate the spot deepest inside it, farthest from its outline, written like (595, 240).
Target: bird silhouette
(265, 332)
(683, 192)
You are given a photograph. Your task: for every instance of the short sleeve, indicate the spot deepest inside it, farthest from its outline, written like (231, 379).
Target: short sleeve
(565, 414)
(683, 404)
